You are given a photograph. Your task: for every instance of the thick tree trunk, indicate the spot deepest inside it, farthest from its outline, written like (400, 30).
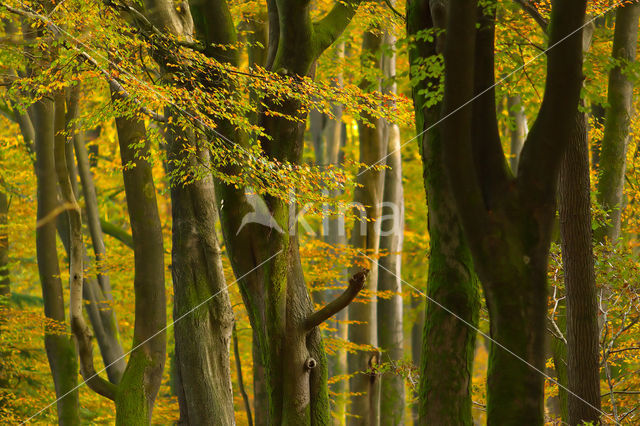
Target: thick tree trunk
(267, 264)
(617, 122)
(203, 335)
(390, 309)
(508, 221)
(60, 348)
(260, 395)
(141, 380)
(448, 344)
(583, 349)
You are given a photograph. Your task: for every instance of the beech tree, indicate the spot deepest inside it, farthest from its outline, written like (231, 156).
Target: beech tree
(447, 343)
(507, 219)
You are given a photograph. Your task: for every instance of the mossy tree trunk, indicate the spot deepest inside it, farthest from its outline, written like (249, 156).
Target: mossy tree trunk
(140, 382)
(267, 264)
(507, 220)
(448, 344)
(202, 335)
(202, 310)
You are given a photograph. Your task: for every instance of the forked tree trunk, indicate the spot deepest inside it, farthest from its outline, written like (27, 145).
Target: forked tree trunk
(508, 221)
(103, 320)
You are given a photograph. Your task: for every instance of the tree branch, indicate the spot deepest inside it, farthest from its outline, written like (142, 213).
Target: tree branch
(329, 28)
(489, 160)
(533, 12)
(117, 233)
(549, 135)
(355, 285)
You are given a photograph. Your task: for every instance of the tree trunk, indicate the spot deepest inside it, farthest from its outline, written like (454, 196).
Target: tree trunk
(518, 131)
(365, 237)
(583, 348)
(267, 262)
(202, 333)
(260, 395)
(103, 319)
(448, 344)
(508, 221)
(617, 122)
(391, 228)
(327, 134)
(141, 380)
(60, 348)
(5, 281)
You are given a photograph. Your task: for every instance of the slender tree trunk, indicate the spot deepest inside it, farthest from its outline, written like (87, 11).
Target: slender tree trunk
(448, 344)
(103, 319)
(617, 122)
(5, 281)
(365, 237)
(390, 310)
(141, 380)
(583, 348)
(417, 327)
(518, 131)
(203, 335)
(60, 348)
(243, 392)
(327, 134)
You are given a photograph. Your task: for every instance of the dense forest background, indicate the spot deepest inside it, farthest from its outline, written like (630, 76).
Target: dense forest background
(316, 212)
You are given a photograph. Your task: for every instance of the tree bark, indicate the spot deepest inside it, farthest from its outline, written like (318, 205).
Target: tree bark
(75, 251)
(141, 380)
(60, 349)
(202, 336)
(108, 336)
(391, 228)
(617, 122)
(508, 221)
(5, 280)
(448, 344)
(365, 237)
(583, 349)
(267, 264)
